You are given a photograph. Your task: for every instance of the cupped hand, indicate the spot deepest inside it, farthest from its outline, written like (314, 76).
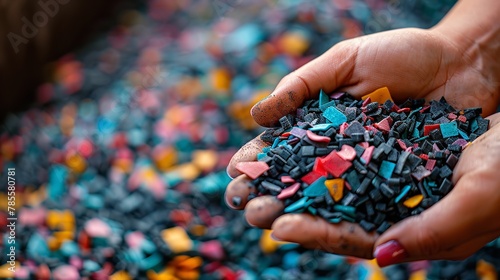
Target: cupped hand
(411, 63)
(463, 221)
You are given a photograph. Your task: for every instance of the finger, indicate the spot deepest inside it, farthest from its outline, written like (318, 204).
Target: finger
(237, 192)
(460, 216)
(464, 250)
(262, 211)
(327, 72)
(248, 152)
(316, 233)
(494, 119)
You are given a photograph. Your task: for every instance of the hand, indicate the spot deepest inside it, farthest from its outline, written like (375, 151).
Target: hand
(411, 63)
(463, 221)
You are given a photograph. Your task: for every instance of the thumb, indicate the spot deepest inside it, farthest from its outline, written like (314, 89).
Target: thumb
(461, 216)
(328, 72)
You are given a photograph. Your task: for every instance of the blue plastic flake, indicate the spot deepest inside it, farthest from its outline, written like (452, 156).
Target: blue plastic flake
(91, 266)
(321, 127)
(463, 134)
(299, 205)
(386, 169)
(403, 193)
(449, 129)
(336, 117)
(317, 188)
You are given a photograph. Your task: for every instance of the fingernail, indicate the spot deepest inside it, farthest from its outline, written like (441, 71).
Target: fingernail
(389, 253)
(236, 201)
(274, 237)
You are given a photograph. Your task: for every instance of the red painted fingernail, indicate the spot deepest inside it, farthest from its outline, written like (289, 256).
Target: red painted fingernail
(389, 253)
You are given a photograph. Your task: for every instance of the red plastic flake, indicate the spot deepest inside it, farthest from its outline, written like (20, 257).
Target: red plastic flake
(286, 134)
(317, 138)
(430, 164)
(310, 177)
(425, 108)
(319, 168)
(462, 118)
(401, 144)
(385, 124)
(364, 144)
(336, 165)
(366, 102)
(395, 108)
(424, 156)
(343, 127)
(289, 191)
(404, 110)
(452, 116)
(346, 184)
(367, 155)
(430, 127)
(347, 152)
(252, 169)
(287, 179)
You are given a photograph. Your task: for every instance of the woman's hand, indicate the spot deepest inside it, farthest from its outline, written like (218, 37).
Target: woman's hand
(411, 63)
(463, 221)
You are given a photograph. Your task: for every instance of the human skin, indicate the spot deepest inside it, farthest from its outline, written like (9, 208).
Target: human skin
(459, 59)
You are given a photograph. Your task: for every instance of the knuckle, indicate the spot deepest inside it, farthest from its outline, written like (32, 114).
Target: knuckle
(428, 242)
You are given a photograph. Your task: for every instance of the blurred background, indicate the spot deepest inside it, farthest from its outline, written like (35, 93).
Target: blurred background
(119, 118)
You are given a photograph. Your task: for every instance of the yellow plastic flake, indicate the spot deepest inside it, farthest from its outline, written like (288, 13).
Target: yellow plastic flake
(418, 275)
(294, 43)
(120, 275)
(221, 79)
(380, 95)
(376, 271)
(198, 230)
(165, 157)
(205, 160)
(166, 274)
(267, 244)
(187, 171)
(6, 273)
(61, 220)
(413, 201)
(336, 188)
(177, 239)
(486, 271)
(76, 162)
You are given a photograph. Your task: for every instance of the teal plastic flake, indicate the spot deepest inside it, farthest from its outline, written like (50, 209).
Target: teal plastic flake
(261, 156)
(266, 149)
(327, 105)
(321, 127)
(347, 210)
(317, 188)
(464, 135)
(403, 193)
(336, 117)
(474, 126)
(449, 129)
(299, 205)
(335, 220)
(275, 143)
(386, 169)
(416, 133)
(323, 98)
(312, 210)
